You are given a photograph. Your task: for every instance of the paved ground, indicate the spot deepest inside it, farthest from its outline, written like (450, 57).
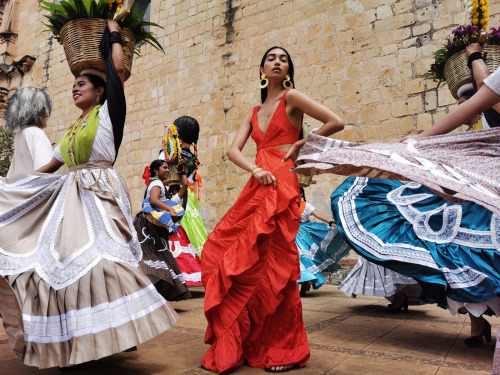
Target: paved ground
(347, 336)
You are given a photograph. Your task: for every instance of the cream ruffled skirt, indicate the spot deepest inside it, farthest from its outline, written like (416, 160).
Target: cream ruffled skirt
(72, 290)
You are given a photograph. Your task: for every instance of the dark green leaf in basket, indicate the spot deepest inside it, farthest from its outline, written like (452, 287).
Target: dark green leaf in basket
(69, 10)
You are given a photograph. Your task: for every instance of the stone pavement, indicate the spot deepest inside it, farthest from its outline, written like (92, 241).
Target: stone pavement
(346, 336)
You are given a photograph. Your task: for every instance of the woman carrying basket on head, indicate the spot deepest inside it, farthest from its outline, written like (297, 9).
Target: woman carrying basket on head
(70, 255)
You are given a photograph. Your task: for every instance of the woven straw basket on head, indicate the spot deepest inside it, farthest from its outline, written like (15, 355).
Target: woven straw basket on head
(81, 38)
(174, 178)
(457, 73)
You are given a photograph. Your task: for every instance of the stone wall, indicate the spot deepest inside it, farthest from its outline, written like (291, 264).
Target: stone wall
(364, 59)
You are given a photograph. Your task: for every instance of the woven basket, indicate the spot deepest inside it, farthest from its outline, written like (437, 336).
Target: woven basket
(174, 178)
(304, 181)
(492, 57)
(81, 38)
(457, 73)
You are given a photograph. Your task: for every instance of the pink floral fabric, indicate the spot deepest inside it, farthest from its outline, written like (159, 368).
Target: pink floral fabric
(459, 167)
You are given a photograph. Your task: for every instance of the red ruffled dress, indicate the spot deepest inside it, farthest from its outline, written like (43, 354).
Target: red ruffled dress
(250, 266)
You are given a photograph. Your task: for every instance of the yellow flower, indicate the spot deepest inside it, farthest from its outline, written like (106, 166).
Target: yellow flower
(475, 21)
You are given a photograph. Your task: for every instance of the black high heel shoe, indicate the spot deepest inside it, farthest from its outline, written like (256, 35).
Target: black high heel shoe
(474, 341)
(395, 309)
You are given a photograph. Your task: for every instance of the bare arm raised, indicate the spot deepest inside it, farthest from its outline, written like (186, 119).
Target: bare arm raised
(485, 98)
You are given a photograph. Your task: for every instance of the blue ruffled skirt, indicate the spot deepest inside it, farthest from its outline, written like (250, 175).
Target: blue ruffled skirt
(320, 248)
(452, 250)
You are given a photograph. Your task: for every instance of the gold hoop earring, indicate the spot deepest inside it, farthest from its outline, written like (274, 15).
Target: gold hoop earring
(98, 99)
(263, 81)
(287, 84)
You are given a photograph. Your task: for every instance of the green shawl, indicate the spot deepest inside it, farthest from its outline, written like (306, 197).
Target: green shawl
(84, 139)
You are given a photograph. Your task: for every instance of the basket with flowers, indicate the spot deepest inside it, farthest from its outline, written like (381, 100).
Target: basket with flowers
(450, 61)
(80, 24)
(172, 149)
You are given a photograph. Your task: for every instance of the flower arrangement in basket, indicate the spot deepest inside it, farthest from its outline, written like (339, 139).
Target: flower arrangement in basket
(79, 25)
(172, 149)
(450, 61)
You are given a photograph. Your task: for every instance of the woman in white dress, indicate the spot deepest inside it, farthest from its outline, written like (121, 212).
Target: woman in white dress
(27, 114)
(72, 287)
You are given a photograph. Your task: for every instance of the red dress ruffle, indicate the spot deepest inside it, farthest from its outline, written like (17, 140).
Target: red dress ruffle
(185, 255)
(250, 268)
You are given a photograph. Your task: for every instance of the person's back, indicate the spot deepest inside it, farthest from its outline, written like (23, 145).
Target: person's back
(27, 114)
(32, 150)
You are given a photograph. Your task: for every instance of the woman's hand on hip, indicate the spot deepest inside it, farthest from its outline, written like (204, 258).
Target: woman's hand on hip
(266, 178)
(293, 151)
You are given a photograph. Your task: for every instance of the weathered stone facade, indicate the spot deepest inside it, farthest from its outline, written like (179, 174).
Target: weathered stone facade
(364, 59)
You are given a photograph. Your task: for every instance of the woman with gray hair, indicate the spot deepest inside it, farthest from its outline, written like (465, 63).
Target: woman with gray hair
(27, 114)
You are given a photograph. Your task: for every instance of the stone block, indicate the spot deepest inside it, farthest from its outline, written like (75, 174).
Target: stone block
(384, 25)
(402, 20)
(406, 126)
(353, 21)
(428, 13)
(383, 112)
(351, 117)
(411, 42)
(421, 28)
(415, 104)
(399, 108)
(445, 98)
(403, 7)
(401, 34)
(352, 133)
(430, 100)
(363, 32)
(384, 11)
(442, 22)
(424, 121)
(350, 100)
(414, 86)
(348, 86)
(374, 133)
(368, 114)
(389, 49)
(370, 97)
(390, 129)
(407, 54)
(344, 36)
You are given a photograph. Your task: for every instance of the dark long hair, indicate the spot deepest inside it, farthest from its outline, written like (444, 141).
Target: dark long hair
(291, 71)
(188, 128)
(263, 92)
(97, 82)
(155, 164)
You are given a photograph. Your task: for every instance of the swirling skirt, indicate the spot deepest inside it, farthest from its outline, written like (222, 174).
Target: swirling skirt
(193, 223)
(158, 262)
(320, 248)
(72, 289)
(370, 279)
(452, 250)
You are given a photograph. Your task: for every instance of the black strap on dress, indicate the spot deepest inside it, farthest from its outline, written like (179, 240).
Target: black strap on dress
(117, 106)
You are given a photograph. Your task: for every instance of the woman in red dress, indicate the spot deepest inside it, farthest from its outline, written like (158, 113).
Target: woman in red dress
(250, 263)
